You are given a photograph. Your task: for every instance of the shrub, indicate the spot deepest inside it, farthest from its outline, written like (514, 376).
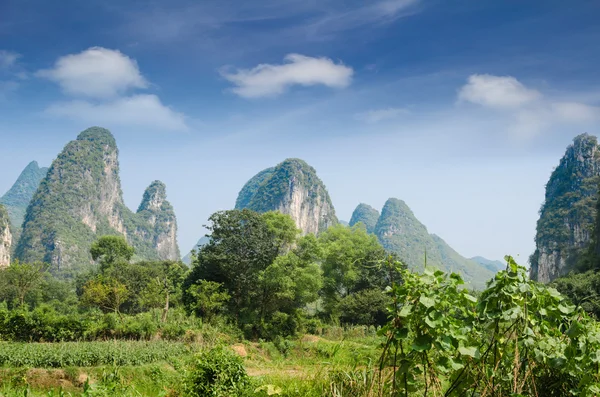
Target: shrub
(218, 372)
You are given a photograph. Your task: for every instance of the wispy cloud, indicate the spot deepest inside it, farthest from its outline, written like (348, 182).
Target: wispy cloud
(378, 115)
(268, 80)
(531, 111)
(214, 25)
(378, 12)
(96, 72)
(139, 110)
(8, 59)
(105, 76)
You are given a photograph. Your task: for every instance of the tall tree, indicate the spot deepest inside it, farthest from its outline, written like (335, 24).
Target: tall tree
(109, 250)
(24, 277)
(244, 256)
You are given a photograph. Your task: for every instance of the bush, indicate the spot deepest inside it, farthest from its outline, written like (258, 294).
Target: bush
(218, 372)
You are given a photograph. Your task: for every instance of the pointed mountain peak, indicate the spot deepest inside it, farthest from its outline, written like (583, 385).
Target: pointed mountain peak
(291, 187)
(99, 135)
(20, 194)
(366, 215)
(154, 197)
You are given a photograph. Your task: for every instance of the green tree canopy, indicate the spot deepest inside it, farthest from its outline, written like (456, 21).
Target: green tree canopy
(109, 250)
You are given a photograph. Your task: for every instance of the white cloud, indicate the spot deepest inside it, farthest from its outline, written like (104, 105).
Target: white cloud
(137, 110)
(529, 111)
(271, 80)
(576, 112)
(8, 59)
(377, 115)
(96, 72)
(496, 91)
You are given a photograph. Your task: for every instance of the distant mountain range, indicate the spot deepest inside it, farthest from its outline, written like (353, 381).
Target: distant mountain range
(56, 213)
(399, 231)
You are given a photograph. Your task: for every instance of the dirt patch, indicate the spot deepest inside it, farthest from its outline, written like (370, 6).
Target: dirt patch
(310, 339)
(240, 350)
(289, 372)
(48, 379)
(82, 378)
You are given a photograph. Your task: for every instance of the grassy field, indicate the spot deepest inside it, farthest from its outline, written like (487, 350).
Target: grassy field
(299, 367)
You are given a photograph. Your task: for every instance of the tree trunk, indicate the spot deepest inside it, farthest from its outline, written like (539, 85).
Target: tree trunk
(166, 309)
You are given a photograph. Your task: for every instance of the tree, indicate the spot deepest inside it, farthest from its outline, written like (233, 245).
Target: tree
(209, 299)
(24, 277)
(283, 228)
(348, 256)
(247, 256)
(165, 280)
(106, 294)
(241, 245)
(109, 250)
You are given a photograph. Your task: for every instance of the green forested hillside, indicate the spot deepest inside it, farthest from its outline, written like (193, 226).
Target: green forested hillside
(367, 215)
(399, 231)
(20, 194)
(79, 199)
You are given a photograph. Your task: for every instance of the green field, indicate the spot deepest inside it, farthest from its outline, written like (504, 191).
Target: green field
(299, 367)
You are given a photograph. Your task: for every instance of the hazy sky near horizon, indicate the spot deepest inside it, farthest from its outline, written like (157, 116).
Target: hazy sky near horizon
(460, 107)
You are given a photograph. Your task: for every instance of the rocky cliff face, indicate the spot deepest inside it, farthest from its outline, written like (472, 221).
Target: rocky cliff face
(568, 213)
(366, 215)
(159, 214)
(20, 194)
(80, 199)
(399, 231)
(292, 188)
(5, 238)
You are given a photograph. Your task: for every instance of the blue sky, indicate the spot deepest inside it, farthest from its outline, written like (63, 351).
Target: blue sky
(459, 107)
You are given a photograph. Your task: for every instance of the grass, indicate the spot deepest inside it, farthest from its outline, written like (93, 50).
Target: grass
(337, 362)
(89, 354)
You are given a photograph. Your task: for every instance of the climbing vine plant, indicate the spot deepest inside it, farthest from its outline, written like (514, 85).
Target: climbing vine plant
(518, 338)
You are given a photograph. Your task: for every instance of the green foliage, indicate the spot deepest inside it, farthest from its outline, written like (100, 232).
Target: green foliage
(110, 250)
(88, 354)
(108, 294)
(207, 299)
(352, 263)
(519, 338)
(18, 197)
(251, 187)
(366, 215)
(583, 289)
(23, 278)
(218, 372)
(250, 256)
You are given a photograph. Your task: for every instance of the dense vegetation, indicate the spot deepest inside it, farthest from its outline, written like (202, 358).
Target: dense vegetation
(515, 338)
(367, 215)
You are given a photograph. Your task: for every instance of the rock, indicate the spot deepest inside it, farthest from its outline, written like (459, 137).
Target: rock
(568, 214)
(6, 238)
(292, 187)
